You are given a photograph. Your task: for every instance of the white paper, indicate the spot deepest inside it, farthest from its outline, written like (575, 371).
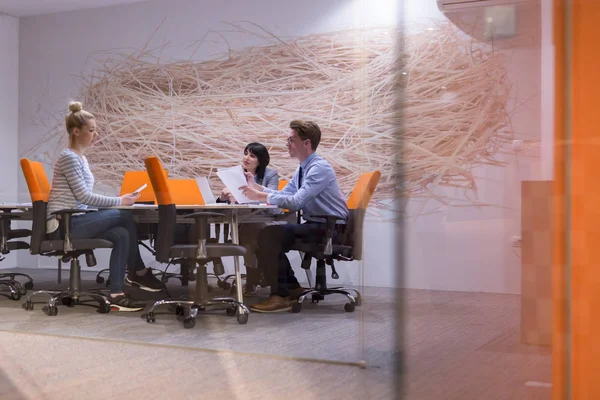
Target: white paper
(205, 190)
(233, 178)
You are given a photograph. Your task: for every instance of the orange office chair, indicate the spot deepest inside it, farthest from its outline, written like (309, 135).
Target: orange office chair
(67, 248)
(183, 192)
(133, 180)
(349, 247)
(200, 252)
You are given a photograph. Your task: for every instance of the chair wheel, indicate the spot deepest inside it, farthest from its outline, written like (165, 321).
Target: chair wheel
(104, 308)
(50, 311)
(28, 306)
(358, 301)
(242, 319)
(179, 310)
(189, 323)
(231, 311)
(149, 317)
(15, 296)
(99, 279)
(296, 307)
(349, 307)
(224, 285)
(28, 285)
(67, 301)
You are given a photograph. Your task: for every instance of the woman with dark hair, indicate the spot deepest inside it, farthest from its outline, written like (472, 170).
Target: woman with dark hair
(256, 159)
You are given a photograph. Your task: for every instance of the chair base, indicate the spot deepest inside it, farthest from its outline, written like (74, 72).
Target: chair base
(11, 276)
(100, 279)
(15, 290)
(189, 321)
(67, 298)
(319, 294)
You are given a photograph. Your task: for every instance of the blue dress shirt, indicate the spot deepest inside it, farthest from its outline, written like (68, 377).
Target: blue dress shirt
(319, 191)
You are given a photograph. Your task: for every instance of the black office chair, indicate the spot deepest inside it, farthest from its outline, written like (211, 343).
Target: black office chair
(200, 252)
(348, 247)
(8, 244)
(66, 248)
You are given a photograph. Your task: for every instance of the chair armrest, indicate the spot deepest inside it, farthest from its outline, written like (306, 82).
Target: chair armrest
(73, 211)
(65, 222)
(327, 217)
(9, 216)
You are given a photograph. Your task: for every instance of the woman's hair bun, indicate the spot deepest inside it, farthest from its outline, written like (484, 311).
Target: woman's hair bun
(75, 106)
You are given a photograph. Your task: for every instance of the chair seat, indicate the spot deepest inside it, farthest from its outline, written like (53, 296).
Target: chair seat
(77, 244)
(17, 245)
(212, 250)
(18, 233)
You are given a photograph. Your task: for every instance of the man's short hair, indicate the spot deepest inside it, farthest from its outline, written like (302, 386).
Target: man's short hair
(307, 130)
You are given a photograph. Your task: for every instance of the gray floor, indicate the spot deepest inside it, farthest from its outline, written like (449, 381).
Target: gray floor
(456, 345)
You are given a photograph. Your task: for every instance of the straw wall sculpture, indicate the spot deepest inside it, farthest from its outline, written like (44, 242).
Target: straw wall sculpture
(198, 116)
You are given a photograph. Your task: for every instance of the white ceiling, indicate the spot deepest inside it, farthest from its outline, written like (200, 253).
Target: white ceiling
(28, 8)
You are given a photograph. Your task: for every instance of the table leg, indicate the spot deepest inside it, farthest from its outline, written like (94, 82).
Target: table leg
(236, 260)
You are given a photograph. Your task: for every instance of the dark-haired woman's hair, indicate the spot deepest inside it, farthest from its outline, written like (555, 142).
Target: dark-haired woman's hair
(262, 155)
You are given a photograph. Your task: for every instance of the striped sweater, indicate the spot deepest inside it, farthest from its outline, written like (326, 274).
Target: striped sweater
(72, 187)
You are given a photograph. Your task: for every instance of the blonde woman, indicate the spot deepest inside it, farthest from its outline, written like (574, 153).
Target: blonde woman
(72, 187)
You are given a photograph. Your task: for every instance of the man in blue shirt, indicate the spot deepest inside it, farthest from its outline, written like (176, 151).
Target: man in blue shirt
(314, 190)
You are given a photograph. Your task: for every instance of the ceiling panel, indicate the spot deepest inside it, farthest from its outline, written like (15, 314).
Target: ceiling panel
(27, 8)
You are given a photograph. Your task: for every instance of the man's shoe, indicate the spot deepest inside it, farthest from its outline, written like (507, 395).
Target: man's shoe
(273, 304)
(124, 303)
(147, 282)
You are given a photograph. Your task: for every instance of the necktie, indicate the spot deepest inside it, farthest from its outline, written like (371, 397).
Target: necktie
(299, 213)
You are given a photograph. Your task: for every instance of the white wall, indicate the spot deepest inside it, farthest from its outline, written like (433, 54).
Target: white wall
(9, 114)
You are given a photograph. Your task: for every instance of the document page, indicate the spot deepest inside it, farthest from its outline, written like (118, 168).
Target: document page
(233, 178)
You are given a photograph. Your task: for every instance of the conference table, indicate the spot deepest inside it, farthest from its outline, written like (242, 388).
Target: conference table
(233, 214)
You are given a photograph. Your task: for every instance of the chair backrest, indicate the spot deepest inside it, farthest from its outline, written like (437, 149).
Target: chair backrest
(39, 191)
(133, 180)
(158, 181)
(37, 180)
(167, 212)
(357, 205)
(185, 191)
(282, 183)
(363, 190)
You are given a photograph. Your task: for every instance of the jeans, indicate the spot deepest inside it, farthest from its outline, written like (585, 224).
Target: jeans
(118, 227)
(274, 241)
